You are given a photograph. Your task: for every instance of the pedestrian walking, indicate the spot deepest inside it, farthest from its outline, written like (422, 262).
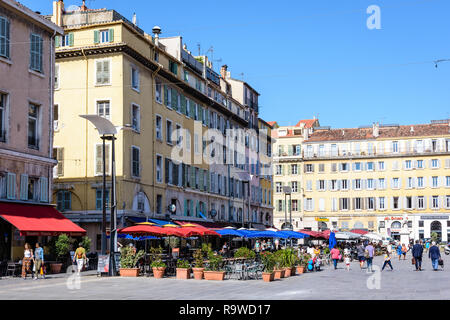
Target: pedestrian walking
(417, 253)
(335, 255)
(434, 254)
(404, 251)
(360, 250)
(369, 252)
(257, 246)
(399, 251)
(316, 251)
(387, 261)
(427, 246)
(26, 261)
(38, 261)
(79, 257)
(347, 262)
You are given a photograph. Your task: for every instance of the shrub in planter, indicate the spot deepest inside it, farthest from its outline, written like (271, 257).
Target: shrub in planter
(268, 262)
(183, 269)
(62, 249)
(158, 266)
(214, 270)
(198, 262)
(245, 252)
(128, 261)
(279, 264)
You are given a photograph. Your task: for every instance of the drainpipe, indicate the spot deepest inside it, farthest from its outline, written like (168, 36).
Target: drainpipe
(51, 106)
(86, 139)
(154, 137)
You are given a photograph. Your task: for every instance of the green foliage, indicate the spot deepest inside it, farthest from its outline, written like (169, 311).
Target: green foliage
(304, 259)
(198, 258)
(128, 258)
(172, 242)
(285, 258)
(245, 252)
(326, 250)
(206, 248)
(63, 245)
(434, 237)
(86, 243)
(183, 264)
(156, 258)
(268, 261)
(215, 262)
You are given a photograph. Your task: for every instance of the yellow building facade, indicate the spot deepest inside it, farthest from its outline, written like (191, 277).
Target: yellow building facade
(386, 179)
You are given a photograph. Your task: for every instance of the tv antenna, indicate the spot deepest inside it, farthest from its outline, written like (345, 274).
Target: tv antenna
(438, 61)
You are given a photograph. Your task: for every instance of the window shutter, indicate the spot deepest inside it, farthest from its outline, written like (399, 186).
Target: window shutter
(11, 186)
(96, 37)
(43, 182)
(200, 114)
(191, 109)
(98, 159)
(201, 186)
(192, 177)
(111, 35)
(174, 100)
(208, 181)
(185, 207)
(192, 207)
(23, 187)
(166, 170)
(60, 159)
(166, 95)
(71, 39)
(57, 41)
(183, 104)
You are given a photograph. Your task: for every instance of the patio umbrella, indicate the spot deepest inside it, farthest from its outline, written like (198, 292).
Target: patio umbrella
(294, 234)
(372, 236)
(345, 235)
(144, 229)
(230, 232)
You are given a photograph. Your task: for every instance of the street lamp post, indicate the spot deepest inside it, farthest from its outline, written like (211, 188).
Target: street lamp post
(287, 191)
(108, 131)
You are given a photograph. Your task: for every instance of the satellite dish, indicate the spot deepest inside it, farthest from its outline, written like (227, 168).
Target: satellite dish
(73, 8)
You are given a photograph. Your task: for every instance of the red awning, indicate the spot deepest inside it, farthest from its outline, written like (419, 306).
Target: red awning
(359, 231)
(38, 220)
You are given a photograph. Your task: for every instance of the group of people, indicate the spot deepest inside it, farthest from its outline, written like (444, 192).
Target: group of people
(36, 258)
(261, 246)
(33, 262)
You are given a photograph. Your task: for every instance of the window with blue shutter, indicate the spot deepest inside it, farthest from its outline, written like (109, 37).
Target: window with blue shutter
(11, 186)
(23, 187)
(4, 38)
(36, 44)
(43, 182)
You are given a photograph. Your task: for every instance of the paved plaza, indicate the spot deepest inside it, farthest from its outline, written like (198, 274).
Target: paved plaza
(401, 284)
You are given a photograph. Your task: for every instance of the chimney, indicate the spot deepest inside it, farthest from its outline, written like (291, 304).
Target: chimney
(375, 129)
(156, 31)
(134, 19)
(412, 130)
(83, 6)
(58, 11)
(223, 71)
(305, 134)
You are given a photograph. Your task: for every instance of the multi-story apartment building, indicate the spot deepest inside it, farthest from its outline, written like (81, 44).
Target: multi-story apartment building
(381, 178)
(287, 164)
(26, 113)
(185, 126)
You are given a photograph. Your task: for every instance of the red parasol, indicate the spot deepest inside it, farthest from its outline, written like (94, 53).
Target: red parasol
(145, 229)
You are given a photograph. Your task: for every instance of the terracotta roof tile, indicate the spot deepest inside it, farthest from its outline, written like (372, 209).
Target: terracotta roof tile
(419, 130)
(308, 123)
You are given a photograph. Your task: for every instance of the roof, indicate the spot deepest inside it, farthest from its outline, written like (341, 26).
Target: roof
(272, 123)
(309, 123)
(417, 130)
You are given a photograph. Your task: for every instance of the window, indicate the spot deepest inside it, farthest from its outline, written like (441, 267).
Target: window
(294, 205)
(3, 106)
(321, 185)
(357, 166)
(135, 81)
(395, 183)
(410, 182)
(381, 183)
(344, 166)
(58, 155)
(435, 182)
(156, 56)
(357, 203)
(173, 67)
(344, 203)
(279, 187)
(344, 184)
(409, 203)
(64, 200)
(420, 202)
(395, 146)
(309, 168)
(179, 132)
(434, 163)
(447, 181)
(370, 166)
(159, 204)
(370, 203)
(158, 91)
(395, 203)
(4, 37)
(435, 202)
(408, 165)
(103, 72)
(36, 52)
(321, 167)
(447, 202)
(186, 76)
(104, 36)
(294, 169)
(420, 182)
(419, 164)
(309, 204)
(357, 184)
(278, 169)
(159, 169)
(380, 165)
(158, 127)
(99, 199)
(196, 144)
(294, 185)
(103, 109)
(381, 203)
(99, 158)
(135, 117)
(169, 131)
(56, 77)
(135, 162)
(64, 41)
(334, 185)
(370, 185)
(308, 185)
(33, 126)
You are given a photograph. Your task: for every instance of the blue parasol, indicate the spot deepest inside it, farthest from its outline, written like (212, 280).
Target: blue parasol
(332, 240)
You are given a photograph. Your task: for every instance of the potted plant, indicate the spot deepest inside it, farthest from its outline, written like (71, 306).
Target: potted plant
(290, 261)
(198, 262)
(278, 268)
(183, 269)
(214, 269)
(244, 252)
(62, 249)
(128, 260)
(158, 266)
(302, 263)
(268, 262)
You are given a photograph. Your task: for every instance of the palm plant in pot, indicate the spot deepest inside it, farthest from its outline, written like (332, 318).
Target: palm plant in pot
(158, 266)
(62, 249)
(268, 262)
(128, 260)
(289, 262)
(198, 262)
(278, 268)
(214, 269)
(302, 267)
(183, 269)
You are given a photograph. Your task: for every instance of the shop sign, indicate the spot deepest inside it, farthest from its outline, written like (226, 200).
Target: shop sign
(322, 219)
(393, 218)
(434, 217)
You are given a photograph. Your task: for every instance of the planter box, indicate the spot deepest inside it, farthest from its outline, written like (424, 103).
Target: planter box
(268, 276)
(293, 269)
(183, 273)
(129, 272)
(287, 272)
(198, 273)
(278, 274)
(300, 269)
(158, 273)
(214, 275)
(55, 267)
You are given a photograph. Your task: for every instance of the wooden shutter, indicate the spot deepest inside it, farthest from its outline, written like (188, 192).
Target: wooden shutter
(98, 159)
(174, 101)
(60, 159)
(166, 170)
(96, 36)
(11, 186)
(57, 41)
(71, 39)
(23, 187)
(43, 182)
(111, 35)
(166, 95)
(185, 207)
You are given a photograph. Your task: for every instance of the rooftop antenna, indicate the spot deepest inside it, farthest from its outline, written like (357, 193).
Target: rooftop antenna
(198, 46)
(242, 76)
(440, 60)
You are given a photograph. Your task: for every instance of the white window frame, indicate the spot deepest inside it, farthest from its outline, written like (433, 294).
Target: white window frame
(160, 180)
(159, 129)
(108, 147)
(139, 162)
(135, 105)
(110, 72)
(169, 140)
(97, 109)
(158, 91)
(102, 38)
(135, 71)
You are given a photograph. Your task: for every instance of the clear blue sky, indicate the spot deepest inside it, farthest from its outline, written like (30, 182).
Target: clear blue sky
(318, 57)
